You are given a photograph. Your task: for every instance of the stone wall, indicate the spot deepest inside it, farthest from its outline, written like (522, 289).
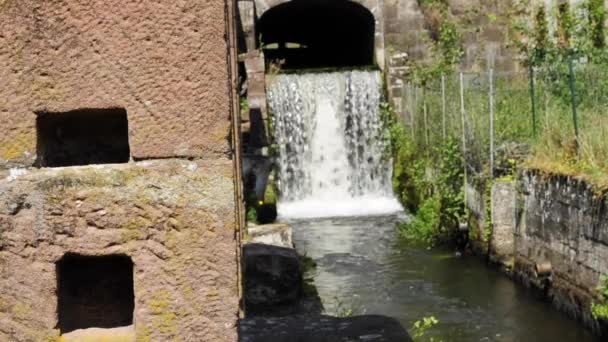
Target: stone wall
(565, 223)
(173, 207)
(504, 199)
(175, 219)
(492, 220)
(485, 40)
(164, 62)
(476, 207)
(551, 233)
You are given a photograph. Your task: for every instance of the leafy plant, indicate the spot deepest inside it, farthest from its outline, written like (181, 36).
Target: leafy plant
(436, 199)
(600, 310)
(425, 224)
(445, 39)
(422, 326)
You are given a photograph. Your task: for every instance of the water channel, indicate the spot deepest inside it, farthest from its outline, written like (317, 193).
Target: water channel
(365, 267)
(332, 162)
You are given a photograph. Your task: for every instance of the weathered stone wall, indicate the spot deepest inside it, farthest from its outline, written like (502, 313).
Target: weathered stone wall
(504, 199)
(564, 222)
(546, 223)
(484, 26)
(493, 236)
(476, 206)
(166, 63)
(170, 66)
(485, 39)
(175, 219)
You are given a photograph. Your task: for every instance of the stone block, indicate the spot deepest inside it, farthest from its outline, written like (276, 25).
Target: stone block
(322, 329)
(504, 220)
(273, 275)
(278, 234)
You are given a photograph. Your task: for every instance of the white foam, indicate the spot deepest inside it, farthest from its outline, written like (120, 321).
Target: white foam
(332, 147)
(319, 208)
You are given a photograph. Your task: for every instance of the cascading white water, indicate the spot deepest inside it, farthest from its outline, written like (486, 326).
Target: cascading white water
(332, 155)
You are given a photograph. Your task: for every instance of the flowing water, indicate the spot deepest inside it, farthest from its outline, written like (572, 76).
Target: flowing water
(334, 180)
(364, 267)
(332, 151)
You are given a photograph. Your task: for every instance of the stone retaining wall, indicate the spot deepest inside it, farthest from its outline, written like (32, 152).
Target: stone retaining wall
(564, 222)
(548, 221)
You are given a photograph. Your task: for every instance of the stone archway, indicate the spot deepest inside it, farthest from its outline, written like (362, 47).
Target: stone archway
(318, 34)
(253, 11)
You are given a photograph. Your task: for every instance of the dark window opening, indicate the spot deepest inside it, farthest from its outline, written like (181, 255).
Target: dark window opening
(94, 292)
(336, 33)
(83, 137)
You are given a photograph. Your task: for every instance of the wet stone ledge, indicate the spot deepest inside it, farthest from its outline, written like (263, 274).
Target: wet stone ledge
(322, 329)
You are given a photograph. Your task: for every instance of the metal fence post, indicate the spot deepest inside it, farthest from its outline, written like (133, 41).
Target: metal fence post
(532, 98)
(491, 124)
(464, 138)
(426, 127)
(410, 104)
(443, 104)
(573, 94)
(414, 109)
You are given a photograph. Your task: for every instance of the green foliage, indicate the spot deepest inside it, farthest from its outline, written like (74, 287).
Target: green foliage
(425, 224)
(596, 23)
(566, 23)
(436, 198)
(449, 185)
(308, 281)
(600, 310)
(406, 167)
(346, 310)
(244, 105)
(593, 31)
(446, 42)
(580, 32)
(541, 37)
(421, 328)
(252, 214)
(489, 225)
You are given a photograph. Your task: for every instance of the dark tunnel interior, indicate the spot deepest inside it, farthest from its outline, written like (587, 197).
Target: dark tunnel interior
(318, 34)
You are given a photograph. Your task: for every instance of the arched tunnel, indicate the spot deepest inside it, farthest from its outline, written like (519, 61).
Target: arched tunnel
(318, 34)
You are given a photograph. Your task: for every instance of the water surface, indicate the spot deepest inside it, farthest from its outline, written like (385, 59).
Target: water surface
(364, 266)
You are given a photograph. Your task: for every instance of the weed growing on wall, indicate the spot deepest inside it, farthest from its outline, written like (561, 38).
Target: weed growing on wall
(445, 39)
(600, 310)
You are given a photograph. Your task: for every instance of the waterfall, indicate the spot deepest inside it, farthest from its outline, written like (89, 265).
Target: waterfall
(332, 154)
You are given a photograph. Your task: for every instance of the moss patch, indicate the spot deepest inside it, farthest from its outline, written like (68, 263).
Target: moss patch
(16, 147)
(596, 177)
(165, 320)
(22, 311)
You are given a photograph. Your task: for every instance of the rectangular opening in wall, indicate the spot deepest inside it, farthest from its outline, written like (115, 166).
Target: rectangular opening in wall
(95, 292)
(82, 137)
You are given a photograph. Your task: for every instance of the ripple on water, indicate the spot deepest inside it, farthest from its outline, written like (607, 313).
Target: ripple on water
(363, 264)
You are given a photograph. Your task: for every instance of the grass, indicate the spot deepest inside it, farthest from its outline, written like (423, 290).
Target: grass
(553, 149)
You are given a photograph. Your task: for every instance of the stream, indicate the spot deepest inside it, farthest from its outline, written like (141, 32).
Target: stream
(365, 267)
